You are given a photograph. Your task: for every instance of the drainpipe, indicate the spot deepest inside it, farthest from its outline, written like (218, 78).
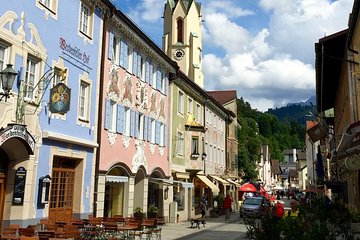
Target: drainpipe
(100, 110)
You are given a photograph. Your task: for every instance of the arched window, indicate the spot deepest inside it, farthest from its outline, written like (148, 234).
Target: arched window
(180, 30)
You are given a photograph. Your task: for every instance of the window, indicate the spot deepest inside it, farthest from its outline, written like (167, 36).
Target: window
(180, 30)
(3, 59)
(190, 105)
(179, 197)
(85, 21)
(115, 49)
(195, 147)
(48, 6)
(181, 102)
(198, 113)
(140, 126)
(162, 134)
(113, 111)
(84, 99)
(46, 3)
(32, 74)
(57, 77)
(159, 82)
(180, 143)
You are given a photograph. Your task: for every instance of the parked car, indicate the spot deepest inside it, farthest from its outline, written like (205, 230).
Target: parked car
(254, 207)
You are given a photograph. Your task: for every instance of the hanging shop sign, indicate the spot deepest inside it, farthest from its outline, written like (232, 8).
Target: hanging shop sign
(19, 186)
(60, 98)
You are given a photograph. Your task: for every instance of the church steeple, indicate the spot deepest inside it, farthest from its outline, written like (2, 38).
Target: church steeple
(182, 39)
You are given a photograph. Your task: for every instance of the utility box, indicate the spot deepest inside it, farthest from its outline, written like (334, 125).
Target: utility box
(173, 212)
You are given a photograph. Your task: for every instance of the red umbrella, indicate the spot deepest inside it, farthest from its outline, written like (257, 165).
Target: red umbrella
(248, 187)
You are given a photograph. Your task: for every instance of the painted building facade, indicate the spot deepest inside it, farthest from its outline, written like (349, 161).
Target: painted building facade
(57, 103)
(133, 155)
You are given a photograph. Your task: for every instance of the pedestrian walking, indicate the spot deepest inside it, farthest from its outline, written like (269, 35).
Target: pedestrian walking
(203, 205)
(227, 206)
(293, 212)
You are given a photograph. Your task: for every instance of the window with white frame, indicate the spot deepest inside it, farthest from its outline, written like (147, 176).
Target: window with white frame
(181, 102)
(115, 52)
(113, 116)
(127, 121)
(3, 59)
(48, 6)
(194, 146)
(57, 76)
(31, 76)
(84, 101)
(85, 19)
(198, 113)
(140, 126)
(190, 105)
(180, 143)
(162, 134)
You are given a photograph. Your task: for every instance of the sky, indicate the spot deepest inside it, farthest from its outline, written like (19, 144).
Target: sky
(263, 49)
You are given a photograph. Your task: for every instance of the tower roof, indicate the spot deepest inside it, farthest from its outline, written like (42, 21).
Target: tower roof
(187, 4)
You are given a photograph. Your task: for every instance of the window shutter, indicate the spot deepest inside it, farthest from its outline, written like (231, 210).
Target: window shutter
(146, 119)
(134, 67)
(166, 84)
(158, 80)
(139, 66)
(157, 132)
(120, 123)
(151, 73)
(137, 124)
(126, 56)
(147, 71)
(132, 123)
(149, 129)
(111, 46)
(107, 114)
(122, 49)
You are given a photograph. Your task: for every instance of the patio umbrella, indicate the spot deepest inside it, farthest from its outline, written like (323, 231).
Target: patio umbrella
(277, 188)
(248, 187)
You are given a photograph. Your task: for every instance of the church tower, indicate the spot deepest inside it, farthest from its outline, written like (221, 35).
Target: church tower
(182, 39)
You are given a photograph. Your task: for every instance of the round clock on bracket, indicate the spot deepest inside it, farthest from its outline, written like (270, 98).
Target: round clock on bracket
(179, 54)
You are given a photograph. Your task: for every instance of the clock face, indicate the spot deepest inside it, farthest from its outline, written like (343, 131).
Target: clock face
(179, 54)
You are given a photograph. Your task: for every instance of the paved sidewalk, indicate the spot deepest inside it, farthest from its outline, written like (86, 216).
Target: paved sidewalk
(216, 228)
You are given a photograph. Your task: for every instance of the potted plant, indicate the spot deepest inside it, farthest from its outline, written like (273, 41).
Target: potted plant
(153, 211)
(355, 221)
(138, 213)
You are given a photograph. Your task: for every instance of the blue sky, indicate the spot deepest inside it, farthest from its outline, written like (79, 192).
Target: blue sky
(264, 49)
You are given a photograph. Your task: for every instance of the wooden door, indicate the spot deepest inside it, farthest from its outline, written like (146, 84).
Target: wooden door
(61, 195)
(2, 196)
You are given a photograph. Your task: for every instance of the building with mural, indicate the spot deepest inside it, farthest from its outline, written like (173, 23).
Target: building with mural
(55, 103)
(133, 153)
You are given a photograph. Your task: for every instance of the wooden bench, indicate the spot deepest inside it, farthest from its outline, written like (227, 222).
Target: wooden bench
(197, 221)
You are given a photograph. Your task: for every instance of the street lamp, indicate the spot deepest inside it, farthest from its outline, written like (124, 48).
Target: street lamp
(7, 80)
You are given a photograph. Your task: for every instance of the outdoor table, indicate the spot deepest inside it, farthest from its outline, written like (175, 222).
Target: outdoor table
(126, 230)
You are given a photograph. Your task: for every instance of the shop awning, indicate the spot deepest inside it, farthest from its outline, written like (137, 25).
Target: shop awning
(219, 179)
(211, 185)
(232, 182)
(116, 179)
(172, 182)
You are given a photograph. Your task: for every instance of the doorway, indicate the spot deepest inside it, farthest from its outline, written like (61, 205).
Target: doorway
(62, 190)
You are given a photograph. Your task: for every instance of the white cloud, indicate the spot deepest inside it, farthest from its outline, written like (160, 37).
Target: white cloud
(275, 66)
(229, 8)
(148, 10)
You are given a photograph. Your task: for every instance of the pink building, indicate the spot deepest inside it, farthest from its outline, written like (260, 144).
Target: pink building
(133, 152)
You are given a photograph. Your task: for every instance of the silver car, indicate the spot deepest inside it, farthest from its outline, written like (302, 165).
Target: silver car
(253, 207)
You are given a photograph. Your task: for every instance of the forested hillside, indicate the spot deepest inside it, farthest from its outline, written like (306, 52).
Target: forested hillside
(259, 128)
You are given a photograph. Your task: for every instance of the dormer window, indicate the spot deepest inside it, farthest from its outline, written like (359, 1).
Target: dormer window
(180, 30)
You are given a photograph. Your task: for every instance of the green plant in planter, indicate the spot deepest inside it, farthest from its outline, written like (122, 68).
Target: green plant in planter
(138, 211)
(153, 211)
(354, 216)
